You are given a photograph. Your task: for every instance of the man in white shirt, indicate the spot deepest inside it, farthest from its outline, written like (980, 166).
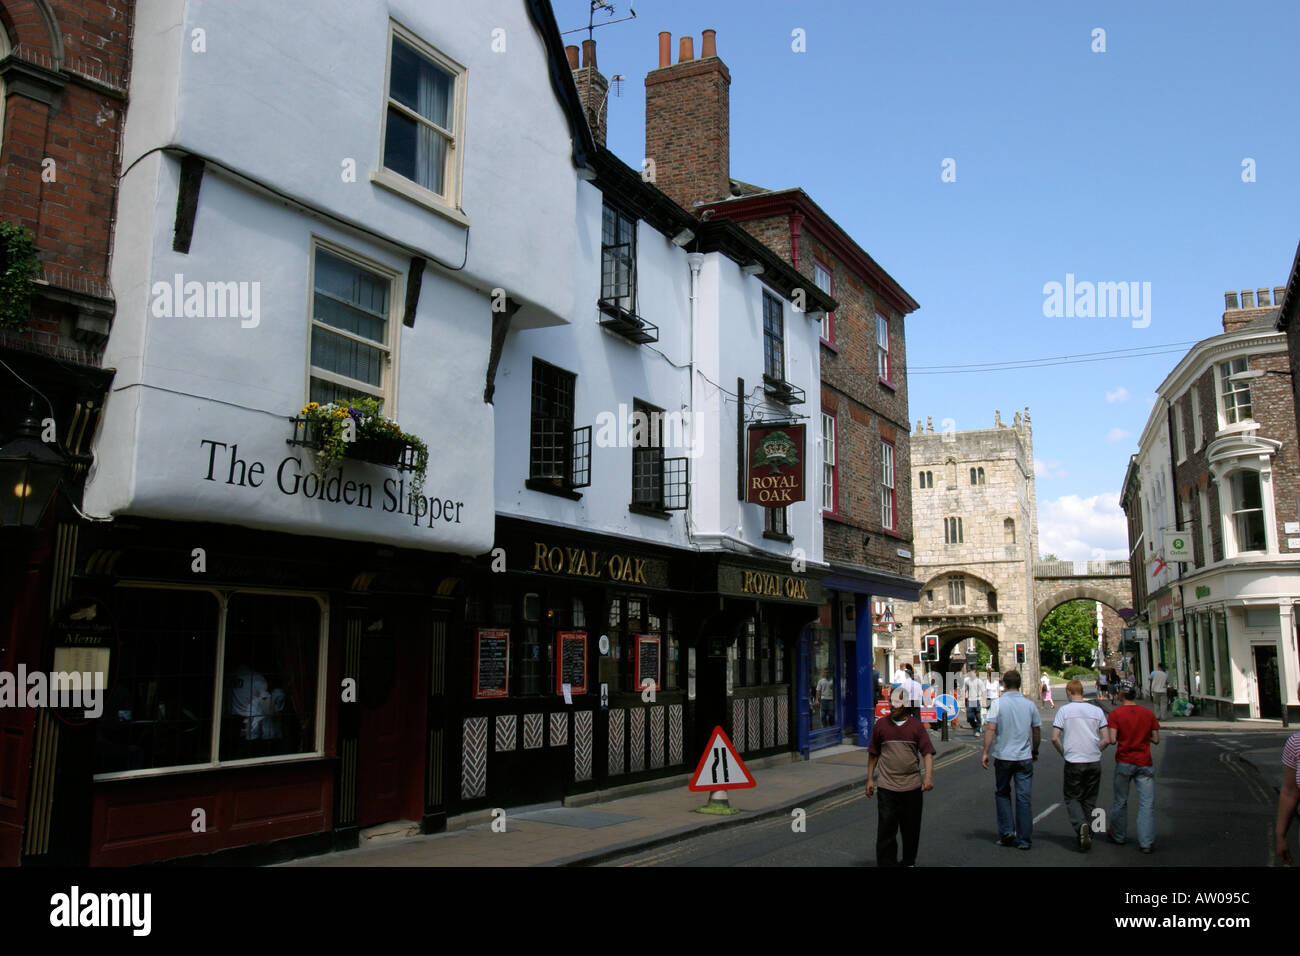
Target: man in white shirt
(992, 688)
(974, 689)
(1158, 685)
(1079, 733)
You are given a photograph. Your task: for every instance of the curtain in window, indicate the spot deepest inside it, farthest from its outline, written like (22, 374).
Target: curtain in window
(430, 146)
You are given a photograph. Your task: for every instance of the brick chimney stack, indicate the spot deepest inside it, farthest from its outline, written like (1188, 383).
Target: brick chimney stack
(1235, 316)
(593, 88)
(688, 121)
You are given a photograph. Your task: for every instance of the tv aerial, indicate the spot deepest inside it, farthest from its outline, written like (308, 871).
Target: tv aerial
(608, 9)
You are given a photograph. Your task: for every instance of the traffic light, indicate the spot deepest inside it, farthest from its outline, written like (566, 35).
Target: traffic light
(1020, 653)
(931, 652)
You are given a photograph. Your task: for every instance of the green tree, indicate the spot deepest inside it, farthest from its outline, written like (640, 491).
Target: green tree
(1068, 631)
(1048, 557)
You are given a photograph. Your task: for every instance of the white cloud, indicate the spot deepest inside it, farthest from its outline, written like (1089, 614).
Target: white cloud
(1119, 395)
(1118, 434)
(1048, 469)
(1079, 529)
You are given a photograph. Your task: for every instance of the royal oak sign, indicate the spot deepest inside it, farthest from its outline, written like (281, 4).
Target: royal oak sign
(775, 472)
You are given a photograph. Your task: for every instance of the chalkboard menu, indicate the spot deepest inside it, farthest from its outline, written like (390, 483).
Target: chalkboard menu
(647, 660)
(492, 663)
(571, 666)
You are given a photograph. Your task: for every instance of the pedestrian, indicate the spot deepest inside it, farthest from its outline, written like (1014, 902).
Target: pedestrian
(900, 674)
(1102, 680)
(991, 691)
(974, 687)
(1011, 734)
(1047, 691)
(1289, 795)
(896, 744)
(1113, 684)
(1079, 733)
(1133, 729)
(913, 692)
(826, 693)
(1158, 685)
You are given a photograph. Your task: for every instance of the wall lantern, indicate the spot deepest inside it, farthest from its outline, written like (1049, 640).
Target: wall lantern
(30, 472)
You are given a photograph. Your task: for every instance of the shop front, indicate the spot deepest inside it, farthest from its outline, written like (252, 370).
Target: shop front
(264, 696)
(586, 661)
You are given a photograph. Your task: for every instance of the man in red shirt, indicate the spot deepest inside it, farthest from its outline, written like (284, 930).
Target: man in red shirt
(1133, 729)
(897, 742)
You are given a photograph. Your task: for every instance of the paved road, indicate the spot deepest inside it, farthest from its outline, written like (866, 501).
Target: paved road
(1212, 809)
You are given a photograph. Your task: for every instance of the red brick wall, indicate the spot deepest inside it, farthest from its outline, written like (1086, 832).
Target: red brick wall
(688, 130)
(71, 217)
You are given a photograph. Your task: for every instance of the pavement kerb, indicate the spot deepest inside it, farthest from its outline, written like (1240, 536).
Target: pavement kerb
(717, 823)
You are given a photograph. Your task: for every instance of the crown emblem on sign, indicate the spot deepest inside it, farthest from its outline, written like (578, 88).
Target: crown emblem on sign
(776, 449)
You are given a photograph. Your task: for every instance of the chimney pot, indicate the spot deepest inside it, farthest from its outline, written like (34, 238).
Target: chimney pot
(571, 51)
(710, 45)
(589, 54)
(686, 50)
(1248, 298)
(1230, 301)
(1262, 296)
(1279, 293)
(665, 49)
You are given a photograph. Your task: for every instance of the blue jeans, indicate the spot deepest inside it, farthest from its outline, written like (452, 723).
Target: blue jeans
(1126, 774)
(1023, 773)
(973, 716)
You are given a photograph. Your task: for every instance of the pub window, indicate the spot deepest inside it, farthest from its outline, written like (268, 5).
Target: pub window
(671, 652)
(532, 670)
(271, 649)
(774, 522)
(176, 645)
(551, 455)
(749, 654)
(618, 261)
(773, 338)
(351, 352)
(647, 456)
(424, 119)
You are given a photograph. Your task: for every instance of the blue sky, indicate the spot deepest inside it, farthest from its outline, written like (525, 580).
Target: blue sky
(1115, 166)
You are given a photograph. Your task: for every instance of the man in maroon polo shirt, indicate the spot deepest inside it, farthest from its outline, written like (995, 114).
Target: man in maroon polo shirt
(898, 742)
(1133, 729)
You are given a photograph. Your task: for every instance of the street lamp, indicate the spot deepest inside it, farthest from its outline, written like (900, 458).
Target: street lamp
(30, 472)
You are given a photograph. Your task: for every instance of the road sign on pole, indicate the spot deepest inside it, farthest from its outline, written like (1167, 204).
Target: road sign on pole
(720, 766)
(946, 704)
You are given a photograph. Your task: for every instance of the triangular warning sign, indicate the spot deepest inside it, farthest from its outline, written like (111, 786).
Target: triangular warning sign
(720, 766)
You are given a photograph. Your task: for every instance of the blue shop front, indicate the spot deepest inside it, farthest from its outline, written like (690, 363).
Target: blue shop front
(837, 669)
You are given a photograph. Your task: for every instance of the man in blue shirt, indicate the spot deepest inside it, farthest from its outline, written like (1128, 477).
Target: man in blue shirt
(1012, 732)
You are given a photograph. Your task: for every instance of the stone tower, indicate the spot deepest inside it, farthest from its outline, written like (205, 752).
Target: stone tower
(975, 521)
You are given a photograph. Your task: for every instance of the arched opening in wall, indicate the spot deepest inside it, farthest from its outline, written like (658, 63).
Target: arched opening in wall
(1009, 531)
(1082, 637)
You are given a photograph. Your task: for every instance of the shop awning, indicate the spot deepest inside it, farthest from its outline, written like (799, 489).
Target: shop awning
(859, 580)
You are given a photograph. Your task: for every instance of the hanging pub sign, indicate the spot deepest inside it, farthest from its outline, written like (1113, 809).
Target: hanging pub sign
(775, 465)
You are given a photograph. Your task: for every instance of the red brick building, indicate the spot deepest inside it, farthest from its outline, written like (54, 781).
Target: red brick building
(63, 75)
(861, 416)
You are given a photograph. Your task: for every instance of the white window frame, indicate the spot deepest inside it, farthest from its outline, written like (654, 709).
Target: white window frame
(1228, 512)
(884, 355)
(447, 204)
(223, 596)
(393, 336)
(1207, 542)
(1198, 425)
(829, 461)
(1222, 398)
(888, 491)
(828, 318)
(1180, 443)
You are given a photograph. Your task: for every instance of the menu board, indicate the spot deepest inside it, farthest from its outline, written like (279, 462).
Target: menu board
(647, 660)
(492, 663)
(571, 665)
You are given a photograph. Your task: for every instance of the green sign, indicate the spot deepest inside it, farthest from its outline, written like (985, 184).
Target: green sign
(1202, 591)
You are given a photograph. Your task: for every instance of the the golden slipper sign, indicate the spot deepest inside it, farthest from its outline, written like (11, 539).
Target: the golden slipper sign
(774, 476)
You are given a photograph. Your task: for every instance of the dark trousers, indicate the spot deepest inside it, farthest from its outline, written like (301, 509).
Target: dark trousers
(973, 715)
(899, 810)
(1082, 781)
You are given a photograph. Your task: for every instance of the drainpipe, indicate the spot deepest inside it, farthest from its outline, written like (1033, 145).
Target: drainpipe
(695, 260)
